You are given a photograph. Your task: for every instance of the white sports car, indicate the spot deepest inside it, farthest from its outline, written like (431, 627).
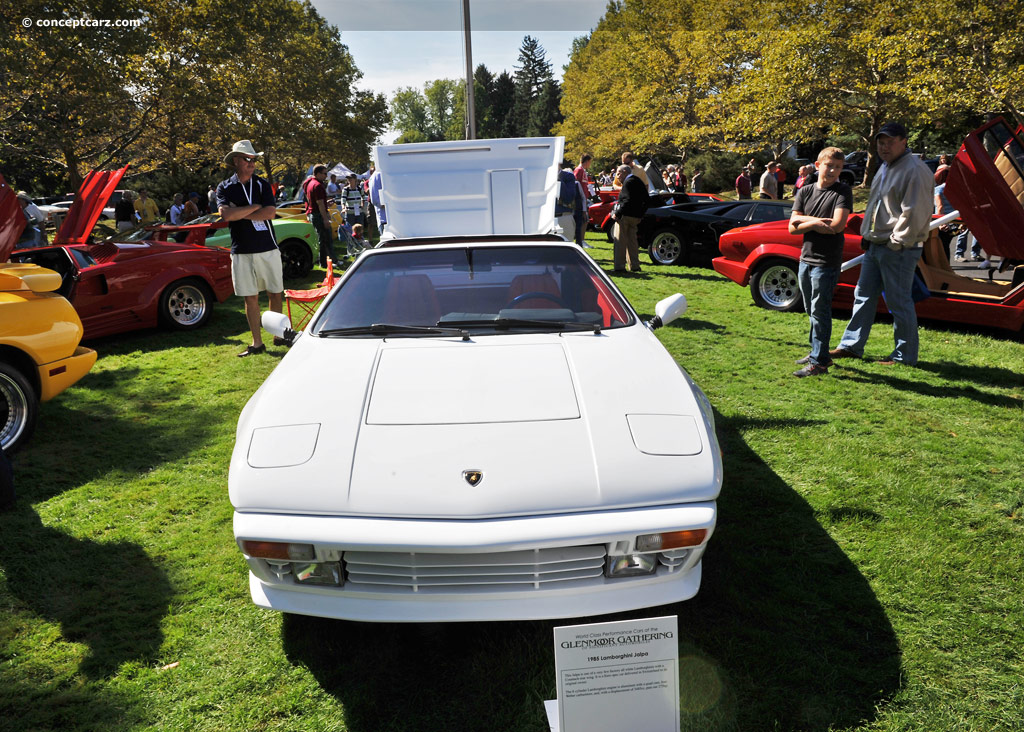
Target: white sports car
(494, 458)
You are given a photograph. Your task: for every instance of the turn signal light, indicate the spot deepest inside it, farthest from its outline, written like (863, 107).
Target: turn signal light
(670, 540)
(278, 550)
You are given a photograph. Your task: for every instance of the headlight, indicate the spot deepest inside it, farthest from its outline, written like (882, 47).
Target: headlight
(631, 565)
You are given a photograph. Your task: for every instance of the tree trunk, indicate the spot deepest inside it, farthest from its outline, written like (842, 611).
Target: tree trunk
(71, 162)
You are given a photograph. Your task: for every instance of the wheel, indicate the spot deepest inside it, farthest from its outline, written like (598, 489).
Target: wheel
(667, 247)
(538, 296)
(774, 285)
(186, 305)
(846, 177)
(296, 259)
(19, 408)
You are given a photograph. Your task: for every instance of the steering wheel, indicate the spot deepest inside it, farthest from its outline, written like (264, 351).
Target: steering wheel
(538, 295)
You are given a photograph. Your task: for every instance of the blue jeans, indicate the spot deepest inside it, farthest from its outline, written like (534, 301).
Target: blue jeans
(884, 269)
(961, 245)
(817, 285)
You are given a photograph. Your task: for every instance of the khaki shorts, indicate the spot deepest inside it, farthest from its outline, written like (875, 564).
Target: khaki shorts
(253, 273)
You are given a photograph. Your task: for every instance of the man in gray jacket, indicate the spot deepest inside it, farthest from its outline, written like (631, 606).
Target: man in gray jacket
(894, 229)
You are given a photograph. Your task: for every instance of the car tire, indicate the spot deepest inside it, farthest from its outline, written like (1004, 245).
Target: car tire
(667, 247)
(19, 408)
(296, 258)
(774, 285)
(186, 305)
(847, 178)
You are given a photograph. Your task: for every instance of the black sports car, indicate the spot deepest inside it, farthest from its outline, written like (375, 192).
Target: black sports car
(690, 231)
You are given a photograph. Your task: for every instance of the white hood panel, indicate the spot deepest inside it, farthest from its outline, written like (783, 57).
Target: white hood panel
(471, 385)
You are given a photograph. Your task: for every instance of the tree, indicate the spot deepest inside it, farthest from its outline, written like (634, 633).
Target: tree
(173, 93)
(532, 74)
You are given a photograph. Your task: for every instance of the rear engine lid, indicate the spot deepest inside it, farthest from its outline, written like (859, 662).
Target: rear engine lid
(470, 187)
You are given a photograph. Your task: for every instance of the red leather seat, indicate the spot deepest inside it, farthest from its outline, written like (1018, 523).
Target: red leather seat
(411, 300)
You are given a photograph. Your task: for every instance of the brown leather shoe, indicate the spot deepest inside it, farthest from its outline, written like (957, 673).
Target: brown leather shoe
(842, 353)
(810, 370)
(252, 351)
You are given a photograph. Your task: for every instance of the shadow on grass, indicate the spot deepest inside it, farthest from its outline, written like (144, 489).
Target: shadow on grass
(985, 375)
(226, 325)
(785, 633)
(889, 378)
(109, 596)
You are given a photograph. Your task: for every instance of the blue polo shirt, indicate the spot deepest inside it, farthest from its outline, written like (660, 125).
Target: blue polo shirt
(246, 238)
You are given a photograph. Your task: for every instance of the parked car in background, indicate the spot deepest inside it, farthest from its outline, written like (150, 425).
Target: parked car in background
(985, 184)
(600, 214)
(117, 286)
(40, 334)
(689, 232)
(296, 238)
(488, 472)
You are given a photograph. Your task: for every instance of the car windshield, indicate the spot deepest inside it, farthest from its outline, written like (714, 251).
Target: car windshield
(489, 289)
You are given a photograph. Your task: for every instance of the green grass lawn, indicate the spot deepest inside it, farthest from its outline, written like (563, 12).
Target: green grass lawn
(866, 572)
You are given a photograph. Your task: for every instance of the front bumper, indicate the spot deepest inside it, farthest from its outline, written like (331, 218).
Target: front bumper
(473, 544)
(738, 272)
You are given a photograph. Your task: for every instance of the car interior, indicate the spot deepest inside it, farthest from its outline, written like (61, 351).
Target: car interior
(437, 293)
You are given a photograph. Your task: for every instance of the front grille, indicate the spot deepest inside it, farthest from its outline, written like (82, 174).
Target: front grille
(537, 569)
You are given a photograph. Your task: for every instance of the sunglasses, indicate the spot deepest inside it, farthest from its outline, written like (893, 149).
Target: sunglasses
(247, 159)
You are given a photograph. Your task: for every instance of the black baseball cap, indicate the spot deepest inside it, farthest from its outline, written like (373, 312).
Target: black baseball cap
(892, 129)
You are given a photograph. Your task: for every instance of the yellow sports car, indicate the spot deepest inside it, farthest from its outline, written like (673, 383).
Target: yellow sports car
(40, 355)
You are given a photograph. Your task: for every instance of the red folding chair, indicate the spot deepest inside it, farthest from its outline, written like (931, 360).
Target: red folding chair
(307, 301)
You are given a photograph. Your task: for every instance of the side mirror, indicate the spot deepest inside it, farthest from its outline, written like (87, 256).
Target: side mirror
(277, 323)
(665, 311)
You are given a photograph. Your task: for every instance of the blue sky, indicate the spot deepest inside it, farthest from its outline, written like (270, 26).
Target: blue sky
(398, 43)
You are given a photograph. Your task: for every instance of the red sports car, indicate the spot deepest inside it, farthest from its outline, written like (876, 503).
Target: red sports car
(120, 286)
(986, 185)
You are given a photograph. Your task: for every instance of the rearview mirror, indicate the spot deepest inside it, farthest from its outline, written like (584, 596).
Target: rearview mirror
(667, 310)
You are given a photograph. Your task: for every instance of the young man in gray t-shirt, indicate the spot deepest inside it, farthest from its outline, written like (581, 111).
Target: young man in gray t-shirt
(819, 213)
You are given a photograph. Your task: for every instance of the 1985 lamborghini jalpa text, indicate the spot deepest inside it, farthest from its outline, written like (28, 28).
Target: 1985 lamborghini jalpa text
(491, 459)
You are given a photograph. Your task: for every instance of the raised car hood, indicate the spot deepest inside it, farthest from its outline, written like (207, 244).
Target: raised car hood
(12, 220)
(986, 184)
(470, 187)
(550, 421)
(85, 211)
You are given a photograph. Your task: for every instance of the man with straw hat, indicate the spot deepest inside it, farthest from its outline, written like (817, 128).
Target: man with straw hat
(246, 202)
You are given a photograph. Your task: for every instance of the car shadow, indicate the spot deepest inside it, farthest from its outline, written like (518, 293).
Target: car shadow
(109, 596)
(785, 633)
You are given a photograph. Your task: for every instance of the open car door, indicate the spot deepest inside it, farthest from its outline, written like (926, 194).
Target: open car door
(986, 184)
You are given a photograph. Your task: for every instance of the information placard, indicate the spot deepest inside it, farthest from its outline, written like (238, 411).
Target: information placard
(617, 676)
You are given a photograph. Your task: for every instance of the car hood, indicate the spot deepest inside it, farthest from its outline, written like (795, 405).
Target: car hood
(554, 423)
(12, 220)
(85, 211)
(470, 187)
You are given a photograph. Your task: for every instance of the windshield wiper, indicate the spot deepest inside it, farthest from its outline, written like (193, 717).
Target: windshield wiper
(508, 323)
(394, 328)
